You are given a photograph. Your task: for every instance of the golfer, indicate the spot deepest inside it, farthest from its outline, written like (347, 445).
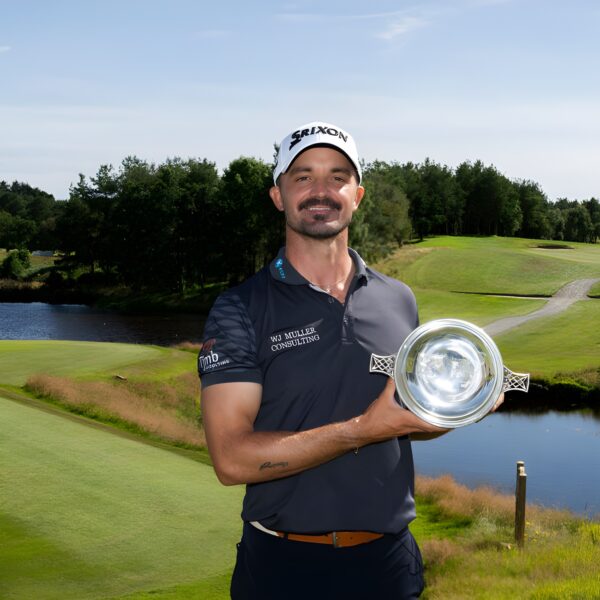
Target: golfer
(290, 408)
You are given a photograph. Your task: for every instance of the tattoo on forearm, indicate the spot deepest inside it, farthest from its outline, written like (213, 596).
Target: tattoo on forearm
(270, 465)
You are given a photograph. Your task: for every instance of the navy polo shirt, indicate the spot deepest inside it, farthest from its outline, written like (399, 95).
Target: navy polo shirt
(311, 355)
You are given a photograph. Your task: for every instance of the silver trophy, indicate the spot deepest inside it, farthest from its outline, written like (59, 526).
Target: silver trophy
(449, 373)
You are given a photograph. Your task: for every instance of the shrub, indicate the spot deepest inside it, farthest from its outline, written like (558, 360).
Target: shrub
(15, 264)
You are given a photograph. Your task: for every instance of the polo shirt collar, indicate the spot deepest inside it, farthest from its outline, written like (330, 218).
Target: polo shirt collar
(282, 270)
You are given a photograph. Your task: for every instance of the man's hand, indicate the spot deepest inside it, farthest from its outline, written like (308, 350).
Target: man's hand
(498, 403)
(385, 419)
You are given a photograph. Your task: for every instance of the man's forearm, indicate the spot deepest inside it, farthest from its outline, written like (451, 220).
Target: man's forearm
(256, 456)
(242, 455)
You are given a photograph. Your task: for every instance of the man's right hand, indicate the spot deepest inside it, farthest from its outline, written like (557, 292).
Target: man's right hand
(385, 419)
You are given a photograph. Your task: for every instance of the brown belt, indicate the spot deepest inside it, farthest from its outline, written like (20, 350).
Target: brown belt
(337, 539)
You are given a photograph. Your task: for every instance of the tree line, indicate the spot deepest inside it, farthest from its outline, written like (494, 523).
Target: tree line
(181, 223)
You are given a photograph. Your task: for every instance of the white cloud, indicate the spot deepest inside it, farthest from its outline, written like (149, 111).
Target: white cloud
(399, 22)
(5, 49)
(402, 27)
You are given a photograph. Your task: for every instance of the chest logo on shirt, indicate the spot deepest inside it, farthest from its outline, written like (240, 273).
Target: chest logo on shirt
(284, 340)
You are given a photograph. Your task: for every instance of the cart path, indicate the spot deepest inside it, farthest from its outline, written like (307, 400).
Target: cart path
(567, 295)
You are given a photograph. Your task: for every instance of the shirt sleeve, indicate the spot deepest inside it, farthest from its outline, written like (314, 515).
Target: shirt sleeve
(229, 348)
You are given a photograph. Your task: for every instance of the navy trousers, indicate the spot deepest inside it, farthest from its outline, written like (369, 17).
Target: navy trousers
(271, 568)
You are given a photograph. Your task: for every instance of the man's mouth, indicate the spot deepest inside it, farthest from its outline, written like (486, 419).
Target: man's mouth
(319, 204)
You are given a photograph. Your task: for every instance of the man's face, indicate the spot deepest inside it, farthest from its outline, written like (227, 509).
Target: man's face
(318, 193)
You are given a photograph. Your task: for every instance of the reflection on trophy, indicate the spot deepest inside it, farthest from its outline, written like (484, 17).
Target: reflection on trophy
(449, 373)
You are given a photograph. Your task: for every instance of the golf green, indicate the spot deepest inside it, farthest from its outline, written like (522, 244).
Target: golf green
(89, 514)
(20, 359)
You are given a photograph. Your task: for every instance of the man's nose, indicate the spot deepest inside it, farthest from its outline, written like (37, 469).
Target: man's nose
(320, 187)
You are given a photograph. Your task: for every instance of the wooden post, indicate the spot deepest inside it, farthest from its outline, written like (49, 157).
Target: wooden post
(520, 495)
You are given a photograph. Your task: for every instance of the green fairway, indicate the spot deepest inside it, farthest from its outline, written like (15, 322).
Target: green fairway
(492, 265)
(477, 308)
(20, 359)
(87, 514)
(567, 342)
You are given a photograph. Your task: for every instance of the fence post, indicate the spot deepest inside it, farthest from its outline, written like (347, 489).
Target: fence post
(520, 495)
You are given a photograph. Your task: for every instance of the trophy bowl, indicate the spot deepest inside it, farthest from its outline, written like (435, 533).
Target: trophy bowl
(449, 373)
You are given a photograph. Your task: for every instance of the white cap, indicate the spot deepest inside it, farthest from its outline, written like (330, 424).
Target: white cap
(315, 134)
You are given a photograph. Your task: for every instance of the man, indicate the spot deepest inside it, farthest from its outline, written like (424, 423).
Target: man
(291, 410)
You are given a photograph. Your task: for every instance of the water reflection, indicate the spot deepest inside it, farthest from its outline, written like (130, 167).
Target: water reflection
(561, 453)
(38, 321)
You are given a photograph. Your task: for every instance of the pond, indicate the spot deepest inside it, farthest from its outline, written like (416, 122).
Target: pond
(561, 452)
(38, 321)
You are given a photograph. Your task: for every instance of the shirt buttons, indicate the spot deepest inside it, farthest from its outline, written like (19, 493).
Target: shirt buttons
(331, 300)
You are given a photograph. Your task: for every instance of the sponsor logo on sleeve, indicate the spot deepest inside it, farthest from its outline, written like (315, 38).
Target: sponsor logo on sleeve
(208, 359)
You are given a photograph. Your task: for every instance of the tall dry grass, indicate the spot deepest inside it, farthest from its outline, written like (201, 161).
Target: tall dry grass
(168, 410)
(560, 557)
(456, 500)
(194, 347)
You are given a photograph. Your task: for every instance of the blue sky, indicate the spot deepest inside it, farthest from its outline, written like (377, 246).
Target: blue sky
(514, 83)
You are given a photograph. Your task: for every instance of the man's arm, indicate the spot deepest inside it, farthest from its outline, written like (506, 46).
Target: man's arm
(242, 455)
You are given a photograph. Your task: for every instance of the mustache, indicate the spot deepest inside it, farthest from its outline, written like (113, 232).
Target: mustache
(310, 202)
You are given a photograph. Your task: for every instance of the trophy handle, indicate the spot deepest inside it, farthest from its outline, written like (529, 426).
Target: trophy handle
(515, 381)
(382, 364)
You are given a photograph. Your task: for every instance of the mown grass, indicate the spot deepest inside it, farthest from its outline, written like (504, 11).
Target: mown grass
(21, 359)
(88, 514)
(491, 265)
(477, 308)
(565, 343)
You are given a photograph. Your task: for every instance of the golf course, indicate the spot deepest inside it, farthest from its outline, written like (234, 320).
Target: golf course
(106, 490)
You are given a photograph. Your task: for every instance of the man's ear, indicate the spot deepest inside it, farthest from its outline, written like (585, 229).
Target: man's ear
(360, 192)
(275, 194)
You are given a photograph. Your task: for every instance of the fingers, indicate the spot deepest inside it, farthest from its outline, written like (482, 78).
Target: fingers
(498, 402)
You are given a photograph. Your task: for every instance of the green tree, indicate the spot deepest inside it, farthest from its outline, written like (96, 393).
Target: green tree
(578, 224)
(197, 210)
(382, 222)
(491, 201)
(32, 212)
(251, 228)
(144, 225)
(556, 222)
(593, 207)
(85, 222)
(534, 208)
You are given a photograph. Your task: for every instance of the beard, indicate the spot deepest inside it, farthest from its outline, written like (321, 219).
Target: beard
(318, 227)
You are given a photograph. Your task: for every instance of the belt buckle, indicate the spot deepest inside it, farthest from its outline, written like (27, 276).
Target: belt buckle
(335, 539)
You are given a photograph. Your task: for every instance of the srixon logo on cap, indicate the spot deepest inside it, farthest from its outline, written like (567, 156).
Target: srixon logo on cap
(298, 135)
